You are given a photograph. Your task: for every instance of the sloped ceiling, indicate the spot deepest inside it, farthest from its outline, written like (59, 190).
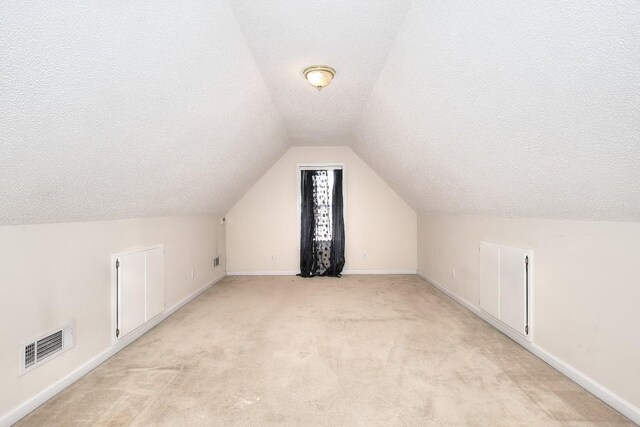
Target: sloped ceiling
(352, 36)
(121, 110)
(525, 108)
(128, 109)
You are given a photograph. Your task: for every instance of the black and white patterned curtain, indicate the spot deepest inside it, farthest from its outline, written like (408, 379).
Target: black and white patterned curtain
(322, 223)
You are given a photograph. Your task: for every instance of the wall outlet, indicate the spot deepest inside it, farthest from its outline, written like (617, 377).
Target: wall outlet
(273, 257)
(453, 273)
(223, 220)
(193, 274)
(364, 255)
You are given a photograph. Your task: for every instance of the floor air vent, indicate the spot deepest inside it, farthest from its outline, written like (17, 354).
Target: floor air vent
(39, 350)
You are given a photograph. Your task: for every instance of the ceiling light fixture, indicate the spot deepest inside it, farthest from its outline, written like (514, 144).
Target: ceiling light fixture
(319, 76)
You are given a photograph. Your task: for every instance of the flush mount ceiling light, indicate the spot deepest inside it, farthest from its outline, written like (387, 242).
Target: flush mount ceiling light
(319, 76)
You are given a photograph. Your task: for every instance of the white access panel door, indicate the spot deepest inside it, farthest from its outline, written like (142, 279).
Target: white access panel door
(154, 282)
(131, 292)
(505, 285)
(513, 288)
(490, 279)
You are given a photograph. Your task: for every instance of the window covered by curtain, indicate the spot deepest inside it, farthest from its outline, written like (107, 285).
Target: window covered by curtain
(321, 223)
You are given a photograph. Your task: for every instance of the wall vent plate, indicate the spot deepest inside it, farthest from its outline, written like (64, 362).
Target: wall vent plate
(216, 261)
(37, 351)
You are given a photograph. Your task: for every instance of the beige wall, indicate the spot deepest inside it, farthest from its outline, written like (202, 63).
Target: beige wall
(265, 221)
(55, 273)
(586, 286)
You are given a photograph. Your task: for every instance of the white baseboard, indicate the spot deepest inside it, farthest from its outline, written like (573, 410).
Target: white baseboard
(23, 409)
(293, 273)
(262, 273)
(610, 398)
(379, 272)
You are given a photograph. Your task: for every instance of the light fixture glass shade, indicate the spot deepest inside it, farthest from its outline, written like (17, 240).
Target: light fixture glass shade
(319, 76)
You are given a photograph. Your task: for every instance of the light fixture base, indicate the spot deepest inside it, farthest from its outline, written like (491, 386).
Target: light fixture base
(319, 76)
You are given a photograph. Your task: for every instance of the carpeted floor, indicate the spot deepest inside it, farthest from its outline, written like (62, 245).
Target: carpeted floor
(355, 351)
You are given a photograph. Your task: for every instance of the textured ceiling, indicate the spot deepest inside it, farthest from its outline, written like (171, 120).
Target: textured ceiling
(511, 108)
(127, 109)
(114, 110)
(353, 36)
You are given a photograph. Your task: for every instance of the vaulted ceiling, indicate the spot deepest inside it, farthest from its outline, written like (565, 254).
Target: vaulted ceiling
(353, 36)
(128, 109)
(120, 110)
(525, 108)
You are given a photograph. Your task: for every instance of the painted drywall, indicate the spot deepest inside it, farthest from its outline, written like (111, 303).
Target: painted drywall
(586, 286)
(511, 108)
(123, 110)
(55, 273)
(352, 36)
(265, 221)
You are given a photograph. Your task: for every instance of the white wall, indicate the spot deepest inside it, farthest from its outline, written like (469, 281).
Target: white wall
(265, 221)
(586, 286)
(55, 273)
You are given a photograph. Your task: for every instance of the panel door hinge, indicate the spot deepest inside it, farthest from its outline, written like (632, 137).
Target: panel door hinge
(117, 298)
(526, 290)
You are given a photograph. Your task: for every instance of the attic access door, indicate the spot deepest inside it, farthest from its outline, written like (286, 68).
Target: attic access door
(505, 285)
(139, 288)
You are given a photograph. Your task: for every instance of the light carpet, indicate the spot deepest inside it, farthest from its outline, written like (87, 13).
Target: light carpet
(354, 351)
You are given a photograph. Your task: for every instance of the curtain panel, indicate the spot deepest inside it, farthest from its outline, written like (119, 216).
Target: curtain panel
(321, 223)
